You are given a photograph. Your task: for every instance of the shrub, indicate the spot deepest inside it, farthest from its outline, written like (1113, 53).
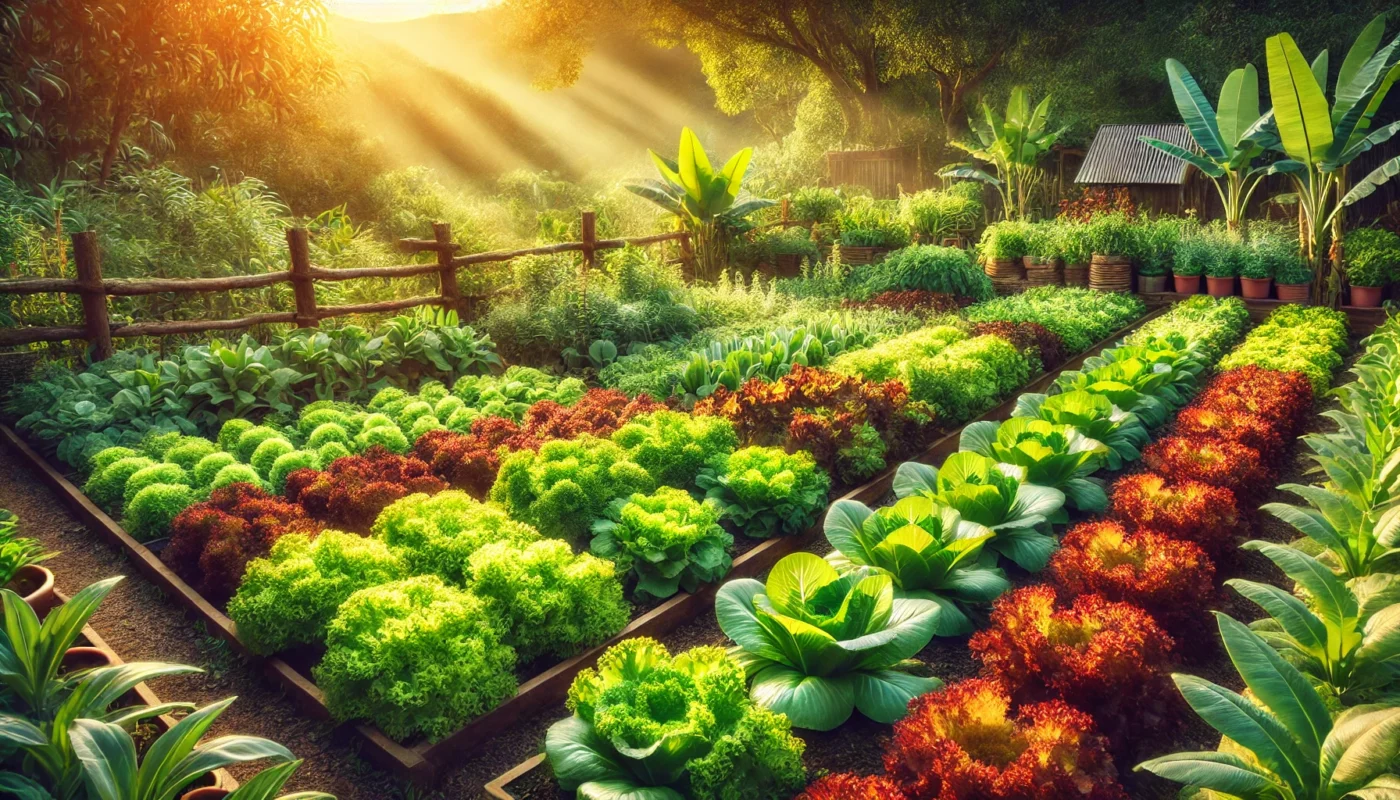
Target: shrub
(892, 358)
(290, 462)
(107, 457)
(152, 475)
(151, 510)
(1284, 399)
(673, 447)
(387, 437)
(190, 452)
(352, 491)
(1106, 659)
(929, 268)
(212, 542)
(550, 600)
(106, 488)
(236, 473)
(567, 485)
(209, 467)
(642, 696)
(290, 597)
(963, 743)
(413, 657)
(251, 438)
(666, 540)
(267, 453)
(846, 786)
(438, 534)
(1372, 256)
(1219, 463)
(1187, 510)
(1079, 317)
(968, 377)
(766, 491)
(1170, 579)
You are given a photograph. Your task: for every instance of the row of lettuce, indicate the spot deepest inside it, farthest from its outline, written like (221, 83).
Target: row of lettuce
(1074, 671)
(532, 501)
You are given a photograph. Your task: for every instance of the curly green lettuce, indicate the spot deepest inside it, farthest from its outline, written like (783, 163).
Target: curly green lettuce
(765, 491)
(189, 452)
(672, 446)
(106, 487)
(152, 475)
(567, 485)
(438, 534)
(666, 540)
(151, 510)
(209, 466)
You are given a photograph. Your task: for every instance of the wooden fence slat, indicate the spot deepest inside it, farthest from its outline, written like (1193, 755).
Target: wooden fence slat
(135, 329)
(130, 287)
(376, 308)
(38, 286)
(88, 260)
(353, 273)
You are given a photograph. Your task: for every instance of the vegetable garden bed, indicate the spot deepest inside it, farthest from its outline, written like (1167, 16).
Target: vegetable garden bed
(422, 762)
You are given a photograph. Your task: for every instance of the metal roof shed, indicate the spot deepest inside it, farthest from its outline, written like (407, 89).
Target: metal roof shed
(1158, 182)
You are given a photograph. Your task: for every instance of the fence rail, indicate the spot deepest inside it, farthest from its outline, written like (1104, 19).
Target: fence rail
(98, 330)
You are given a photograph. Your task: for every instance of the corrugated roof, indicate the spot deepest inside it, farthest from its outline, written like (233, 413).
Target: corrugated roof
(1117, 156)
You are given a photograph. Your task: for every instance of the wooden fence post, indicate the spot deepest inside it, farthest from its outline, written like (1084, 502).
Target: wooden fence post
(785, 207)
(589, 229)
(303, 285)
(447, 273)
(88, 260)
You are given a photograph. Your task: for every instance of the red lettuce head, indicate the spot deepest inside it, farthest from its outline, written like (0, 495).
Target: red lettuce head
(1209, 460)
(1187, 510)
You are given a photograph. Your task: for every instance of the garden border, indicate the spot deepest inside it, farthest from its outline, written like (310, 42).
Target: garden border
(422, 762)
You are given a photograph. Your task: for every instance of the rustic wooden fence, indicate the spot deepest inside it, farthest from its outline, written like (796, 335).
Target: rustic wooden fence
(98, 330)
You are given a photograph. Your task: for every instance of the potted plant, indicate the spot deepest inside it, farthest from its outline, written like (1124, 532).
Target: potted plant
(1372, 255)
(1189, 263)
(1222, 266)
(1003, 248)
(1076, 249)
(1156, 247)
(1114, 241)
(1042, 259)
(869, 230)
(1293, 278)
(1261, 261)
(789, 247)
(19, 566)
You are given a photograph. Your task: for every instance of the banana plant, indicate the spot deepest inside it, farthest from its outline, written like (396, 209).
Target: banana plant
(993, 495)
(1013, 145)
(1334, 638)
(1229, 140)
(1281, 741)
(1095, 416)
(927, 549)
(1058, 456)
(1321, 139)
(708, 204)
(43, 704)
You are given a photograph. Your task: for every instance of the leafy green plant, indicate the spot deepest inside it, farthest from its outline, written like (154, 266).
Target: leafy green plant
(674, 447)
(1372, 256)
(1080, 317)
(1093, 415)
(106, 488)
(893, 357)
(151, 510)
(437, 534)
(1007, 240)
(937, 213)
(666, 539)
(866, 222)
(649, 725)
(765, 491)
(927, 549)
(816, 204)
(994, 496)
(1282, 740)
(567, 485)
(1013, 145)
(1058, 456)
(1114, 234)
(931, 268)
(238, 379)
(969, 376)
(817, 645)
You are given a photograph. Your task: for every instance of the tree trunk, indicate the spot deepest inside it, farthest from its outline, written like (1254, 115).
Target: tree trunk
(114, 141)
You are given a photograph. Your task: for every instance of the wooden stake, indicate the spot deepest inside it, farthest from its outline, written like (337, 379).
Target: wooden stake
(303, 285)
(447, 272)
(97, 324)
(589, 226)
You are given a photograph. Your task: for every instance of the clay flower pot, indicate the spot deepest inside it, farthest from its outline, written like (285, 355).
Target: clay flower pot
(206, 793)
(35, 584)
(78, 658)
(1151, 284)
(1186, 284)
(1220, 287)
(1256, 288)
(1367, 296)
(1294, 292)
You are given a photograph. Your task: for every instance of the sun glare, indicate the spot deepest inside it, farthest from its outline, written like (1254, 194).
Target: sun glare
(399, 10)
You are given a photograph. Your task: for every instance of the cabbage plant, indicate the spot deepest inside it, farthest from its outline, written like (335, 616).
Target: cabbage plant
(817, 644)
(1133, 384)
(1095, 416)
(993, 495)
(1058, 456)
(927, 550)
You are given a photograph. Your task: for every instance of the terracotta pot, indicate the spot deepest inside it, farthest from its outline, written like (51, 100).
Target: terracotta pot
(1367, 296)
(35, 584)
(1294, 292)
(1151, 284)
(1256, 288)
(1220, 287)
(1186, 284)
(206, 793)
(76, 658)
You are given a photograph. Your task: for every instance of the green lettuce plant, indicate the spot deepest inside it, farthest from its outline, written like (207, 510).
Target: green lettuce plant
(673, 447)
(650, 726)
(666, 540)
(817, 645)
(1131, 384)
(1093, 415)
(106, 487)
(152, 475)
(994, 496)
(1281, 740)
(968, 377)
(189, 452)
(927, 549)
(567, 484)
(765, 491)
(1058, 456)
(209, 466)
(437, 534)
(150, 512)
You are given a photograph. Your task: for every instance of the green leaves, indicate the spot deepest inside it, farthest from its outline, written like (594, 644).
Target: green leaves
(666, 539)
(1196, 112)
(1300, 106)
(691, 189)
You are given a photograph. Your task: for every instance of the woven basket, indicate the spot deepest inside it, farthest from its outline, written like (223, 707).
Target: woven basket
(862, 255)
(1077, 275)
(1044, 274)
(1110, 274)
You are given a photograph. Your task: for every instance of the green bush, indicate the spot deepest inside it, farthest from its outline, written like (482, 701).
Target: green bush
(149, 513)
(1157, 241)
(1114, 234)
(929, 268)
(567, 485)
(1212, 252)
(252, 438)
(969, 377)
(654, 371)
(386, 436)
(765, 491)
(414, 657)
(156, 444)
(890, 358)
(290, 597)
(550, 600)
(230, 432)
(267, 453)
(666, 540)
(933, 214)
(511, 393)
(190, 452)
(1080, 317)
(1372, 256)
(236, 473)
(149, 476)
(672, 447)
(108, 456)
(106, 488)
(866, 222)
(437, 534)
(287, 463)
(1004, 241)
(815, 204)
(209, 466)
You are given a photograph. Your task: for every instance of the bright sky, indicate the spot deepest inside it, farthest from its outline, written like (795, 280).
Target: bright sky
(396, 10)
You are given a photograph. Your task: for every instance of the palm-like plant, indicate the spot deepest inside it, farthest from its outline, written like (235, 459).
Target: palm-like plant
(1013, 145)
(707, 203)
(1229, 140)
(1281, 741)
(1322, 139)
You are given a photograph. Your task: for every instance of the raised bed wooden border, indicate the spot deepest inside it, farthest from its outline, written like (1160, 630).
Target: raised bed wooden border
(421, 762)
